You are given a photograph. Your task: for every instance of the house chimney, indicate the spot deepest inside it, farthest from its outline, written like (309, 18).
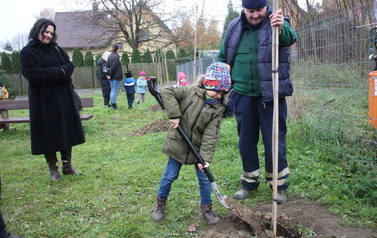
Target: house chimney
(95, 6)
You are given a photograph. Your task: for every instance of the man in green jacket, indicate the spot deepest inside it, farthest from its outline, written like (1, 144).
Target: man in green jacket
(247, 48)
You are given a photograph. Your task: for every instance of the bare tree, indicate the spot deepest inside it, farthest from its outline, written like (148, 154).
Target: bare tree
(47, 13)
(184, 32)
(19, 41)
(130, 21)
(211, 38)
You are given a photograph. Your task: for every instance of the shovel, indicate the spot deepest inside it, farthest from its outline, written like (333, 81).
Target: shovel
(152, 84)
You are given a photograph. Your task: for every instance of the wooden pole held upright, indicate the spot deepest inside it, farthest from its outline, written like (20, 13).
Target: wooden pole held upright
(275, 130)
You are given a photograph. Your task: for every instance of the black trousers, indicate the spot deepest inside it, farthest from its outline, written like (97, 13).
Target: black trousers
(3, 233)
(255, 117)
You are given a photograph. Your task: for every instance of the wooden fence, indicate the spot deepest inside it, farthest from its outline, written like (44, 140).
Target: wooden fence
(85, 77)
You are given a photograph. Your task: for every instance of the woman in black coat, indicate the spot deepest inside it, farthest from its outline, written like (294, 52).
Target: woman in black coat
(55, 123)
(105, 83)
(115, 76)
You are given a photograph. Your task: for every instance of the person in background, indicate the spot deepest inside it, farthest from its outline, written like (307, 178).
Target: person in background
(129, 86)
(105, 83)
(115, 76)
(3, 232)
(141, 87)
(4, 95)
(205, 100)
(182, 79)
(247, 49)
(55, 124)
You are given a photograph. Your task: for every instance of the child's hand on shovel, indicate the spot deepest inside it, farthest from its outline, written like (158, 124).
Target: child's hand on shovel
(201, 167)
(174, 122)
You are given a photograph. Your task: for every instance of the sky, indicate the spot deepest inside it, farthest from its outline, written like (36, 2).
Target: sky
(18, 16)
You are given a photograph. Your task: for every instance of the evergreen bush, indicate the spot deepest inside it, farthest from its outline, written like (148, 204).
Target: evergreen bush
(89, 59)
(147, 57)
(124, 59)
(170, 54)
(77, 58)
(136, 57)
(15, 63)
(6, 63)
(12, 90)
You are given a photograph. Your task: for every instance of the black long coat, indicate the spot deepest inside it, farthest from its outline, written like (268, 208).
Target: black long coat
(55, 123)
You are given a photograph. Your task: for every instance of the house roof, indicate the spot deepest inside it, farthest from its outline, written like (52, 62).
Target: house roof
(74, 29)
(88, 29)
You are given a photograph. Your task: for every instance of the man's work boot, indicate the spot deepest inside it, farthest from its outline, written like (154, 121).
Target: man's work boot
(208, 214)
(52, 160)
(281, 197)
(242, 194)
(159, 210)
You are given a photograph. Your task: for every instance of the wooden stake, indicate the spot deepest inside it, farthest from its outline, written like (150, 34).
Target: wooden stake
(275, 130)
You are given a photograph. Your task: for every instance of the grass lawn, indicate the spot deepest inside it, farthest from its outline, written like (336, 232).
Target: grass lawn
(115, 196)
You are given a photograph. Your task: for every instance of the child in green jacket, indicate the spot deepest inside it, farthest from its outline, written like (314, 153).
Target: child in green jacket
(198, 109)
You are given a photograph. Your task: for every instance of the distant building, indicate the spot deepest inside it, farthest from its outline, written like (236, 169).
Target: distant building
(79, 30)
(6, 52)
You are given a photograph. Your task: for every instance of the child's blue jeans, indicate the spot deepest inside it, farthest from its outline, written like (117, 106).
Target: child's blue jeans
(171, 174)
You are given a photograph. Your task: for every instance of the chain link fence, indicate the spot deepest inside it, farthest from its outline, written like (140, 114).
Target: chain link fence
(330, 70)
(201, 65)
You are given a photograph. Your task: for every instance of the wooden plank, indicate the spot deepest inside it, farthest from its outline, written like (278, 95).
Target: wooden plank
(13, 104)
(27, 119)
(86, 117)
(24, 104)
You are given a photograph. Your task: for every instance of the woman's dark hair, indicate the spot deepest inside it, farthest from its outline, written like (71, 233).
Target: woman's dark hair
(115, 47)
(39, 27)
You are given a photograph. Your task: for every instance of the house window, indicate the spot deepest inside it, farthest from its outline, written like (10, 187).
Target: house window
(120, 45)
(144, 35)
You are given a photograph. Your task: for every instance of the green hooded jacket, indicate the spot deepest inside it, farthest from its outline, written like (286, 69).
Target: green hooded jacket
(200, 120)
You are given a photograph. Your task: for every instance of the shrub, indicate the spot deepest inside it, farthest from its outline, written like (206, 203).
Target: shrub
(6, 63)
(125, 59)
(170, 54)
(16, 64)
(89, 59)
(12, 90)
(136, 57)
(147, 57)
(77, 57)
(181, 53)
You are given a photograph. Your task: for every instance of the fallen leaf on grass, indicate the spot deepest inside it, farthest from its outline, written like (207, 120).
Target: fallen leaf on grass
(192, 227)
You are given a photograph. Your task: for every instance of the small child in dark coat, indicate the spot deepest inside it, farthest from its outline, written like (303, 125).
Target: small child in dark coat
(129, 85)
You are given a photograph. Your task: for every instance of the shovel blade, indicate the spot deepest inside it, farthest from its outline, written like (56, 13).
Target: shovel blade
(220, 197)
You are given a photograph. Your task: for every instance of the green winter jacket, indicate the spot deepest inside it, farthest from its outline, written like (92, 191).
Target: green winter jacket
(200, 120)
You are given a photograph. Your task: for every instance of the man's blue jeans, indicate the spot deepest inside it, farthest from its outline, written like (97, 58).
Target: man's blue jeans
(171, 174)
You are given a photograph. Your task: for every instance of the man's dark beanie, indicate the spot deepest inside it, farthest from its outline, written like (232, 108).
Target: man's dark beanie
(254, 4)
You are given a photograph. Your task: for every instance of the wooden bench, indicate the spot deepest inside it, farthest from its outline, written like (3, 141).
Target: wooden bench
(7, 105)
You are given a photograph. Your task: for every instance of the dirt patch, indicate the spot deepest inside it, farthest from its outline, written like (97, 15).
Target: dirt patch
(294, 218)
(155, 108)
(158, 125)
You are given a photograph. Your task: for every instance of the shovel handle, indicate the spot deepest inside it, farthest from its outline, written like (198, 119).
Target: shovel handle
(152, 87)
(197, 156)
